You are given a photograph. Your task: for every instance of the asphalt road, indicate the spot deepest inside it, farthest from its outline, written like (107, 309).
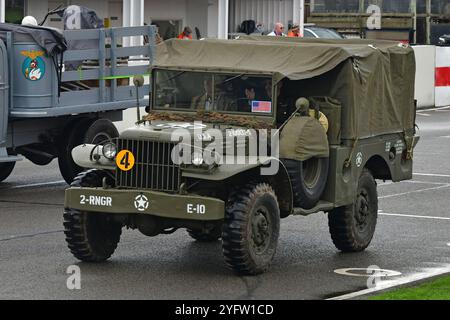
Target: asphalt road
(412, 237)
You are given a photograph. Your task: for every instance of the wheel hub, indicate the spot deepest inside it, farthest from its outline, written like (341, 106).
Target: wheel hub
(362, 209)
(260, 231)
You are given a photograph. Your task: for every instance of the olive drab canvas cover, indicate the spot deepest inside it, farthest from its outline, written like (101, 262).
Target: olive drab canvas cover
(373, 80)
(303, 138)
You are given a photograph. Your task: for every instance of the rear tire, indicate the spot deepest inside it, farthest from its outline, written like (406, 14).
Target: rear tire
(352, 227)
(6, 168)
(308, 179)
(91, 237)
(85, 131)
(251, 229)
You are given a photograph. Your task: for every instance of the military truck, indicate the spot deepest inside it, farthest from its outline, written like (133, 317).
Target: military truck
(329, 118)
(59, 89)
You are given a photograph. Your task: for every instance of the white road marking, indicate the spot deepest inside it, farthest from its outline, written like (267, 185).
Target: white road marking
(412, 216)
(442, 109)
(367, 272)
(42, 184)
(424, 114)
(382, 184)
(445, 137)
(388, 183)
(425, 182)
(433, 109)
(414, 191)
(386, 284)
(432, 175)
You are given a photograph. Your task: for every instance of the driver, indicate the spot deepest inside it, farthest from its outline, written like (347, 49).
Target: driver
(226, 100)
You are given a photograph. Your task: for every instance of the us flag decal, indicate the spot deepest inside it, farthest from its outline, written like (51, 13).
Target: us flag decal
(262, 106)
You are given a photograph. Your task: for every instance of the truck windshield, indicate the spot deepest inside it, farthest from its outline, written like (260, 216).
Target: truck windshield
(233, 93)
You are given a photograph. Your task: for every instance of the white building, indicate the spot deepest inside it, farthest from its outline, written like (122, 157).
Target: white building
(212, 18)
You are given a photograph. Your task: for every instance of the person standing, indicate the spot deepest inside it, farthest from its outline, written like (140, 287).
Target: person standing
(295, 32)
(158, 38)
(186, 34)
(278, 30)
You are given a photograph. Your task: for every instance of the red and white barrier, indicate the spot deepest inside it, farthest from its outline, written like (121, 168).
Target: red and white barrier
(442, 77)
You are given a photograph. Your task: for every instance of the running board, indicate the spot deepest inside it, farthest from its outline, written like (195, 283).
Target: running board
(4, 157)
(321, 206)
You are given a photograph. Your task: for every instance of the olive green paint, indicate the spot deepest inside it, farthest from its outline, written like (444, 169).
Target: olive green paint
(160, 204)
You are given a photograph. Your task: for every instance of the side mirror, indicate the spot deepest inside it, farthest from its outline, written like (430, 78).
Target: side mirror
(138, 81)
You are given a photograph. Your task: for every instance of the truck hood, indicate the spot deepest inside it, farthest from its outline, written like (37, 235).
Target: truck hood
(165, 131)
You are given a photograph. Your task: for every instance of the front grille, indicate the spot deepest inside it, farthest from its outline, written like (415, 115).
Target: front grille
(153, 169)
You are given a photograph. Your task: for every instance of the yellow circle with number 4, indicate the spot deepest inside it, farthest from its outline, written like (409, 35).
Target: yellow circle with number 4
(125, 160)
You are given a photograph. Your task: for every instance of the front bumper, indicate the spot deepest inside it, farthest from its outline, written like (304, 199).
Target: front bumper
(118, 201)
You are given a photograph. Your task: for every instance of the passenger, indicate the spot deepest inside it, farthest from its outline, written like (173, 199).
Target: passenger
(278, 30)
(204, 100)
(245, 104)
(267, 95)
(158, 38)
(186, 34)
(295, 32)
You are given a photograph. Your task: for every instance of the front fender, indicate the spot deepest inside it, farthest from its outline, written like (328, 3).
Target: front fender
(83, 156)
(268, 169)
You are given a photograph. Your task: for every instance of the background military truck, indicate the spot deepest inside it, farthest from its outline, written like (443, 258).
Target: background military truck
(366, 91)
(47, 108)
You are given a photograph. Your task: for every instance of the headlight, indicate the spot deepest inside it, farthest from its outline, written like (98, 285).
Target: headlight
(197, 159)
(110, 151)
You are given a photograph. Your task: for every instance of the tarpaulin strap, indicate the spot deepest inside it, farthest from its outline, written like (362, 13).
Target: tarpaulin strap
(409, 142)
(358, 70)
(316, 109)
(348, 162)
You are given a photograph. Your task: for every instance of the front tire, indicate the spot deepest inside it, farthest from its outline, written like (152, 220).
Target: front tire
(251, 229)
(352, 227)
(6, 168)
(91, 237)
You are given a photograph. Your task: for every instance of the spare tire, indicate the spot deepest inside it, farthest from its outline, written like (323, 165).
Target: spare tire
(308, 179)
(93, 131)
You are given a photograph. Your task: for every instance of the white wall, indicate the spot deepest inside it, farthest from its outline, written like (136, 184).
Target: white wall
(213, 16)
(425, 71)
(197, 16)
(37, 9)
(165, 10)
(100, 7)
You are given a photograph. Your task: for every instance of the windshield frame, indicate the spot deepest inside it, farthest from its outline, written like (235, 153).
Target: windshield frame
(269, 76)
